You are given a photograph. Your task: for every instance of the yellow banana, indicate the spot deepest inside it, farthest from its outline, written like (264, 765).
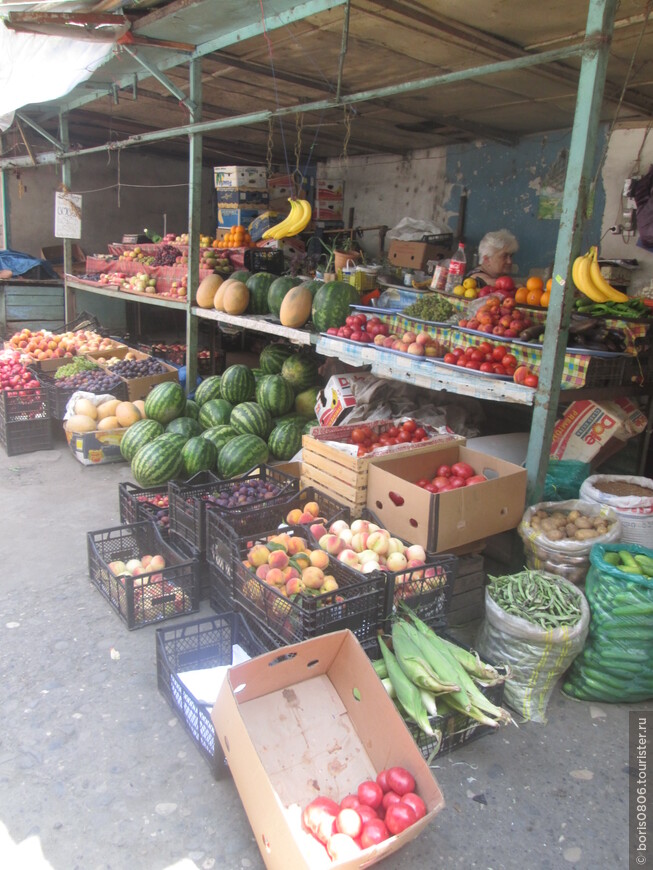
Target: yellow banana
(581, 274)
(282, 231)
(599, 281)
(303, 218)
(271, 233)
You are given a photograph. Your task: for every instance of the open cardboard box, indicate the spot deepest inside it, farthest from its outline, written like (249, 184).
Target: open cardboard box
(96, 448)
(446, 521)
(307, 720)
(137, 388)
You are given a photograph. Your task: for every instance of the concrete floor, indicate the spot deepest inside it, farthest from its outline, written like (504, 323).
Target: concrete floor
(96, 771)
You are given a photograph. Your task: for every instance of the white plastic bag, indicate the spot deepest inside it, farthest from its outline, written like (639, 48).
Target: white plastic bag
(412, 230)
(536, 657)
(634, 511)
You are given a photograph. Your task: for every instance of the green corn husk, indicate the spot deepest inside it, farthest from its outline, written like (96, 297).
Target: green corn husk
(407, 693)
(414, 665)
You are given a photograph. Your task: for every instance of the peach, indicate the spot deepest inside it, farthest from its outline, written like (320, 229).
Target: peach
(416, 349)
(360, 526)
(134, 567)
(331, 543)
(408, 337)
(395, 546)
(349, 557)
(432, 350)
(294, 517)
(368, 556)
(359, 541)
(423, 338)
(278, 559)
(368, 567)
(145, 560)
(275, 577)
(379, 339)
(388, 341)
(312, 508)
(306, 518)
(415, 551)
(289, 571)
(346, 536)
(258, 555)
(117, 567)
(282, 540)
(378, 542)
(262, 571)
(295, 586)
(396, 561)
(313, 577)
(318, 531)
(337, 526)
(412, 564)
(319, 558)
(372, 527)
(296, 545)
(158, 563)
(330, 584)
(400, 345)
(302, 560)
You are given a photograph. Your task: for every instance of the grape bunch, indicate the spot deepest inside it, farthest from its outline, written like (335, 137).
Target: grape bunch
(79, 364)
(242, 493)
(96, 381)
(166, 256)
(138, 368)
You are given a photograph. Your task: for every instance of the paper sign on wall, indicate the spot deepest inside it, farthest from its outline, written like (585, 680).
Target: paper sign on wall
(68, 216)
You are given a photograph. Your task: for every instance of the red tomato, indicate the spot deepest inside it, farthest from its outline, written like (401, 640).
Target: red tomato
(358, 435)
(456, 482)
(443, 471)
(476, 478)
(509, 360)
(473, 364)
(399, 779)
(390, 797)
(485, 347)
(531, 381)
(399, 816)
(419, 433)
(403, 437)
(349, 822)
(366, 813)
(350, 801)
(462, 361)
(421, 482)
(382, 777)
(356, 336)
(370, 793)
(498, 369)
(362, 450)
(393, 431)
(391, 441)
(415, 801)
(485, 367)
(458, 351)
(431, 487)
(409, 426)
(374, 831)
(498, 354)
(439, 482)
(477, 354)
(345, 331)
(505, 282)
(450, 359)
(464, 470)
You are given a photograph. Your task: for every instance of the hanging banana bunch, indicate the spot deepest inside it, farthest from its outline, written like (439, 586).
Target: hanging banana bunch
(296, 221)
(588, 279)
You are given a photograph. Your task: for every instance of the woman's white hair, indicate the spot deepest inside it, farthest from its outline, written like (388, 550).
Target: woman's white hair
(492, 243)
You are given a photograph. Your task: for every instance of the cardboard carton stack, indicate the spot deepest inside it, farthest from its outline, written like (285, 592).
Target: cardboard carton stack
(329, 199)
(242, 194)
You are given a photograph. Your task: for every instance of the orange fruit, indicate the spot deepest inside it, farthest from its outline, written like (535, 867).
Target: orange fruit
(544, 299)
(534, 283)
(534, 296)
(521, 294)
(549, 284)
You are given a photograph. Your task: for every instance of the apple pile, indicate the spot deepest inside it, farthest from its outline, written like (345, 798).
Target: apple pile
(381, 808)
(374, 331)
(448, 477)
(117, 278)
(484, 357)
(42, 344)
(178, 289)
(14, 375)
(139, 568)
(141, 282)
(498, 317)
(504, 287)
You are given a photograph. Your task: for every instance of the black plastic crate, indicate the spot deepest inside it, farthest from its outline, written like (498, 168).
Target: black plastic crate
(188, 501)
(262, 260)
(203, 577)
(157, 595)
(25, 421)
(83, 321)
(605, 371)
(356, 605)
(135, 509)
(202, 644)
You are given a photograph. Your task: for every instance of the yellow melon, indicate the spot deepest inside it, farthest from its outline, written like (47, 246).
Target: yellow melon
(86, 407)
(140, 404)
(127, 414)
(207, 290)
(236, 298)
(219, 295)
(107, 409)
(296, 307)
(108, 423)
(80, 423)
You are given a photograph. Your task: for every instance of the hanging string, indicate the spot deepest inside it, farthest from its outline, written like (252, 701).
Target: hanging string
(298, 178)
(344, 155)
(119, 178)
(274, 84)
(268, 156)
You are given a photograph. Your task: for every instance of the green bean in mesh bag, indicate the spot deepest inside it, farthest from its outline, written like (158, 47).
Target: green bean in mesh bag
(616, 664)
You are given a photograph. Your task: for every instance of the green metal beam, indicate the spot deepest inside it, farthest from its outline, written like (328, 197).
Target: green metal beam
(599, 29)
(158, 75)
(194, 217)
(66, 181)
(51, 139)
(591, 44)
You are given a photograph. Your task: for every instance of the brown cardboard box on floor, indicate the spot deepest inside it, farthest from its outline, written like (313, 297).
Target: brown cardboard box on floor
(308, 720)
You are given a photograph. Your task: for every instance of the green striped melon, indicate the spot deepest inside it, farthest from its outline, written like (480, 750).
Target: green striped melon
(208, 389)
(137, 436)
(309, 426)
(313, 284)
(215, 412)
(164, 402)
(241, 454)
(285, 440)
(198, 454)
(219, 436)
(275, 394)
(258, 286)
(158, 461)
(292, 417)
(249, 418)
(306, 400)
(278, 289)
(185, 426)
(273, 357)
(242, 275)
(331, 304)
(301, 371)
(192, 409)
(238, 384)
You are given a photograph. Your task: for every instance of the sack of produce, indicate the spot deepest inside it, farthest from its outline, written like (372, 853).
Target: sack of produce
(558, 536)
(617, 662)
(537, 624)
(564, 478)
(630, 497)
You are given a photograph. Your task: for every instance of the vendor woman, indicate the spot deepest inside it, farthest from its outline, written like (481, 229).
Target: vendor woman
(495, 252)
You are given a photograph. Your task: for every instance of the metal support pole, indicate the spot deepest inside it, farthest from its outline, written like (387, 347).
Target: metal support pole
(66, 180)
(600, 25)
(194, 218)
(4, 205)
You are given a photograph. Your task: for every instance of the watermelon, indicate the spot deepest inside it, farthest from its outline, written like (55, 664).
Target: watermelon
(306, 400)
(192, 409)
(137, 436)
(313, 284)
(331, 304)
(258, 286)
(308, 428)
(215, 412)
(275, 394)
(185, 426)
(240, 275)
(219, 436)
(278, 289)
(301, 371)
(208, 389)
(158, 461)
(165, 402)
(285, 440)
(248, 418)
(198, 454)
(241, 454)
(238, 384)
(293, 417)
(273, 357)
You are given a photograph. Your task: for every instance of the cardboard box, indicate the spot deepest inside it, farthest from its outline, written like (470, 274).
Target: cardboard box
(54, 255)
(329, 188)
(250, 177)
(263, 222)
(234, 217)
(592, 431)
(329, 210)
(281, 188)
(326, 690)
(238, 197)
(96, 448)
(441, 522)
(415, 255)
(137, 388)
(336, 400)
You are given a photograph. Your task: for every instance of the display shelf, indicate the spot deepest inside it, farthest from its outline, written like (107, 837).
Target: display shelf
(258, 323)
(425, 373)
(110, 290)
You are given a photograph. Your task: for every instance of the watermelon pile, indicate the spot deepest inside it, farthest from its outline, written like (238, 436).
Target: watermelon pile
(237, 420)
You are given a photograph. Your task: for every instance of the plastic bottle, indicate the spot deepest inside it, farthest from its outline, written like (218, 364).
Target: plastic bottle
(457, 268)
